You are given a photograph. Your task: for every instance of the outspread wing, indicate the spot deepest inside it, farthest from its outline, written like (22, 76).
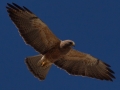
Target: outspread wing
(78, 63)
(32, 29)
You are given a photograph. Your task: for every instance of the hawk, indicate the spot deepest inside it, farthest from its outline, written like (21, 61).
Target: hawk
(53, 50)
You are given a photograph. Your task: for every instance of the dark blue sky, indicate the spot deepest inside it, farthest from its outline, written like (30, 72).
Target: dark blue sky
(94, 25)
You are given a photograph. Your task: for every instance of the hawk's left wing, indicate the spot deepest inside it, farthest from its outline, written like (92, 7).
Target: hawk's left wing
(78, 63)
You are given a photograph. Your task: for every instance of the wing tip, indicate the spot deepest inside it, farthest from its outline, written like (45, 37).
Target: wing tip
(17, 7)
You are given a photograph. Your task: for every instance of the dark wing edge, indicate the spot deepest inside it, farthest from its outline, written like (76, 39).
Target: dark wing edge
(33, 31)
(85, 66)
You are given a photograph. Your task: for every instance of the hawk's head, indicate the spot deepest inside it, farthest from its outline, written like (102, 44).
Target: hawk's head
(67, 43)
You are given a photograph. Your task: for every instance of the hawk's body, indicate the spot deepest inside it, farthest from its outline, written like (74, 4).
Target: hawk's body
(54, 54)
(52, 50)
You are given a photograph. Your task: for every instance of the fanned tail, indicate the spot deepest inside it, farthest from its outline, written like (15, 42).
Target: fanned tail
(38, 71)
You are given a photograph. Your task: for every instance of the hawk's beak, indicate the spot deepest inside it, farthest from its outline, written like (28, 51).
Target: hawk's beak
(73, 44)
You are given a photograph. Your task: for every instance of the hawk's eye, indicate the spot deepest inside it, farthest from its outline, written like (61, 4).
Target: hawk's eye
(70, 43)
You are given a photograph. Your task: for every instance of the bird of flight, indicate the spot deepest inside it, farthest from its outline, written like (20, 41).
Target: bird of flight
(53, 50)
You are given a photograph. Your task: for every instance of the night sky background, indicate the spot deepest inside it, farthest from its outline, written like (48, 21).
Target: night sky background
(94, 25)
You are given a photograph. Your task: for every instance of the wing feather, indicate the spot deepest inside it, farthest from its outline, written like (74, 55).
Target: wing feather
(78, 63)
(32, 29)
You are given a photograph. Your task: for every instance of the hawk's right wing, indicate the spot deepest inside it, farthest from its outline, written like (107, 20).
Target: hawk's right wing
(32, 29)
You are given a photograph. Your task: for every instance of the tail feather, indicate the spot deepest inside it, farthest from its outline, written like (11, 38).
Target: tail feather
(38, 71)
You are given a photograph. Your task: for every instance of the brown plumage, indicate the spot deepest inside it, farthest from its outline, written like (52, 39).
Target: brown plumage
(52, 50)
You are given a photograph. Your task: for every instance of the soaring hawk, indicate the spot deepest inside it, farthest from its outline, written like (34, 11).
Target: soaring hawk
(53, 50)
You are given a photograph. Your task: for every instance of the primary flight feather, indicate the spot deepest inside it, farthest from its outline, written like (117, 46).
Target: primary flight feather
(53, 50)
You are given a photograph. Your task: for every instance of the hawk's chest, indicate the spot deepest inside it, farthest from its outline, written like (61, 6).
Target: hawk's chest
(53, 54)
(56, 53)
